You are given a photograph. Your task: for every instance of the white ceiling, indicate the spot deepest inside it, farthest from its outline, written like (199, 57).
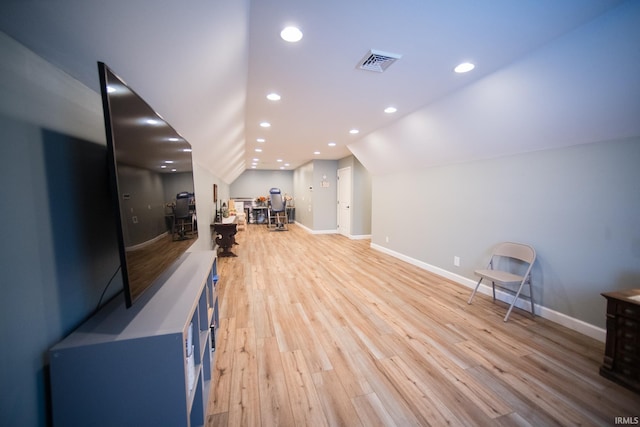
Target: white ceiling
(207, 67)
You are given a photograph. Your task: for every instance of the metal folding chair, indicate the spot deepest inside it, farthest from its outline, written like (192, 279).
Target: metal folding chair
(510, 265)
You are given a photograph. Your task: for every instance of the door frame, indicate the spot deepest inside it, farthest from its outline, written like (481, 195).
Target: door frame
(344, 192)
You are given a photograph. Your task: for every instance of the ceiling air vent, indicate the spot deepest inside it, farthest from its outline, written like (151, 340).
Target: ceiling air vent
(378, 61)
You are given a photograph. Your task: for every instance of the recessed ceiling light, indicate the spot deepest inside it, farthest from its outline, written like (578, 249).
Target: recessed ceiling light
(390, 110)
(261, 140)
(187, 150)
(153, 122)
(331, 144)
(168, 161)
(174, 139)
(354, 131)
(265, 124)
(253, 166)
(173, 170)
(273, 97)
(464, 67)
(316, 152)
(279, 160)
(258, 150)
(287, 164)
(291, 34)
(281, 167)
(256, 160)
(163, 167)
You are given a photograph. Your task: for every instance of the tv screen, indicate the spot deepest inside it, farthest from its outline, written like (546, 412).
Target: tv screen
(151, 178)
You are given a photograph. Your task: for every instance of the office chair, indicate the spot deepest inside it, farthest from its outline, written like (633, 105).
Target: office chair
(510, 265)
(278, 211)
(181, 215)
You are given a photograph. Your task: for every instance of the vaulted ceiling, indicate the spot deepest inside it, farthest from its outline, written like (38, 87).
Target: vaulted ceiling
(207, 67)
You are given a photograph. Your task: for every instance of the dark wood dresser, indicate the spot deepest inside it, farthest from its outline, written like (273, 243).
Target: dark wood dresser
(622, 351)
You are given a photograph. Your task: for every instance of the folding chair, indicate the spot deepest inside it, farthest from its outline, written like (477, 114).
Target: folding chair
(510, 265)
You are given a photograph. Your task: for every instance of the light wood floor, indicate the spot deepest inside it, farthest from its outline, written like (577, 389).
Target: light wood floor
(322, 330)
(147, 263)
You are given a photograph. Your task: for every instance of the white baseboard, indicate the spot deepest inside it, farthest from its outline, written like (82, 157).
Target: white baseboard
(360, 236)
(335, 231)
(577, 325)
(324, 231)
(147, 243)
(308, 230)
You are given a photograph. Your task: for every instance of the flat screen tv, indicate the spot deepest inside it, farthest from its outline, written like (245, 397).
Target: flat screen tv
(150, 169)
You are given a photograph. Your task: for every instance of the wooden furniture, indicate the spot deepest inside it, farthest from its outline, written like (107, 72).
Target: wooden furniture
(622, 350)
(241, 220)
(225, 233)
(147, 365)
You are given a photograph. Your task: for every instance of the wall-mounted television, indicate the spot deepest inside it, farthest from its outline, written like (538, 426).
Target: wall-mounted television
(150, 167)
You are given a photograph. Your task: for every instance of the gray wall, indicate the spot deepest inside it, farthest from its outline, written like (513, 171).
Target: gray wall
(316, 205)
(203, 180)
(174, 183)
(254, 183)
(578, 206)
(303, 194)
(148, 210)
(325, 199)
(59, 245)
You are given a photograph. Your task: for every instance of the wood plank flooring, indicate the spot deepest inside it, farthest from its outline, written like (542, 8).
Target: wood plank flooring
(147, 263)
(320, 330)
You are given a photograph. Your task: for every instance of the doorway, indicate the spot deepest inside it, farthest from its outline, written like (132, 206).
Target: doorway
(344, 201)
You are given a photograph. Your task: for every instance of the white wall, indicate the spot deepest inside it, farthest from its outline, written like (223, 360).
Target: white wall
(203, 181)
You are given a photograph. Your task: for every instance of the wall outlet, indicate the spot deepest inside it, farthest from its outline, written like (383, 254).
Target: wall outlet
(456, 261)
(134, 219)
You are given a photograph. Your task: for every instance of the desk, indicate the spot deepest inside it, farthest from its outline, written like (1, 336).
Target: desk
(263, 211)
(259, 212)
(225, 236)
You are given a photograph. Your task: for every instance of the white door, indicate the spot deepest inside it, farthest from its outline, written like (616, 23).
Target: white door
(344, 201)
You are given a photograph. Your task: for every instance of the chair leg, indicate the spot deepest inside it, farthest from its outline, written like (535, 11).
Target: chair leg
(531, 297)
(513, 303)
(473, 294)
